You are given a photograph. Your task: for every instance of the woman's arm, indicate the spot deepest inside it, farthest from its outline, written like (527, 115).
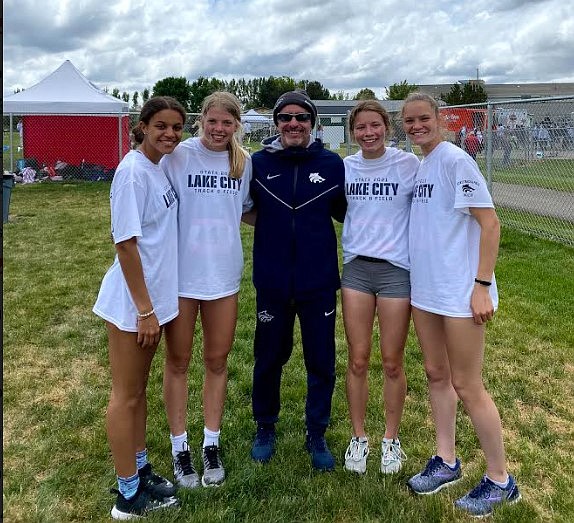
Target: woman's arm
(149, 331)
(481, 302)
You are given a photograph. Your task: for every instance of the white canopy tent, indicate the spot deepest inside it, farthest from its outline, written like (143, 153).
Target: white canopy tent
(253, 117)
(65, 91)
(66, 117)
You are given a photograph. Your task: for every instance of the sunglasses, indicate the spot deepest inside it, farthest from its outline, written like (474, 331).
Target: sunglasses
(300, 117)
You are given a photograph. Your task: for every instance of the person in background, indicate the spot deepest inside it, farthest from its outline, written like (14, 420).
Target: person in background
(247, 132)
(375, 281)
(454, 234)
(472, 145)
(20, 129)
(137, 297)
(211, 175)
(320, 133)
(297, 188)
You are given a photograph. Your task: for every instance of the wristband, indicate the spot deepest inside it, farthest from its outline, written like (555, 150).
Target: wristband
(144, 315)
(483, 282)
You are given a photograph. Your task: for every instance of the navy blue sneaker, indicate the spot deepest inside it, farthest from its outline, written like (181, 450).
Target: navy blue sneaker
(321, 457)
(157, 486)
(436, 475)
(263, 446)
(486, 496)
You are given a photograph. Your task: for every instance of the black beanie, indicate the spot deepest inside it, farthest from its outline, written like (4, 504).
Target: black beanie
(297, 97)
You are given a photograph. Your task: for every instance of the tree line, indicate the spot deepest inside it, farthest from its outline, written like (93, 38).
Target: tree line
(261, 93)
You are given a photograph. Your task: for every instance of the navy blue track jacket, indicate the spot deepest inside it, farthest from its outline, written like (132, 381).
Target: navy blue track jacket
(297, 191)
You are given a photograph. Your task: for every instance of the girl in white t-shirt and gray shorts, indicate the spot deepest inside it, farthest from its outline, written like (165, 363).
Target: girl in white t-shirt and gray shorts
(375, 279)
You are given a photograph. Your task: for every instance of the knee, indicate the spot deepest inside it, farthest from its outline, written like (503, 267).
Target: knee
(438, 375)
(126, 399)
(468, 390)
(215, 364)
(393, 368)
(177, 362)
(358, 366)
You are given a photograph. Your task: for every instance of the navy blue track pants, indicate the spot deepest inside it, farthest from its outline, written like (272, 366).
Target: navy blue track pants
(273, 347)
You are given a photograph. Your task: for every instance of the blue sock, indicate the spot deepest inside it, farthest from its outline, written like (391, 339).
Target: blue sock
(129, 486)
(141, 459)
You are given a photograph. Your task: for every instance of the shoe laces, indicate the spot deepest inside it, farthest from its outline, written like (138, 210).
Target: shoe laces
(358, 449)
(211, 457)
(482, 490)
(393, 451)
(183, 462)
(432, 466)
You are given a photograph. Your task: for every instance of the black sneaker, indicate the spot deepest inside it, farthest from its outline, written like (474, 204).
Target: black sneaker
(138, 506)
(213, 471)
(156, 485)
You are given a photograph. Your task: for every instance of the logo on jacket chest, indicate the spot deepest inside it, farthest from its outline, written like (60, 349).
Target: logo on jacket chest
(315, 178)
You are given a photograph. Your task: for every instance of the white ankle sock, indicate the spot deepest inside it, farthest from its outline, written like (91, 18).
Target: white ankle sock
(501, 484)
(178, 443)
(210, 437)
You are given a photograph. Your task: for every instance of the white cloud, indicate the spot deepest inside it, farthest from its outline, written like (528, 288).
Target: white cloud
(131, 44)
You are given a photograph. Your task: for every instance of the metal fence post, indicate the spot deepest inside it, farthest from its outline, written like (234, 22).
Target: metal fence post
(489, 137)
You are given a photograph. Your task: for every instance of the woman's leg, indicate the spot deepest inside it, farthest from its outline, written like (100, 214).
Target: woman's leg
(127, 408)
(430, 331)
(179, 342)
(465, 345)
(218, 319)
(358, 318)
(394, 315)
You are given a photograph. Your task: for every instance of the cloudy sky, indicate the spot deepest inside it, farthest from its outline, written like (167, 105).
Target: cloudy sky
(344, 44)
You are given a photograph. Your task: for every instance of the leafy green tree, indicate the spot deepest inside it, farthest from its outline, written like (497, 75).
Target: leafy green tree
(400, 91)
(126, 97)
(340, 95)
(271, 88)
(178, 88)
(201, 88)
(116, 93)
(469, 93)
(314, 89)
(135, 98)
(365, 94)
(145, 95)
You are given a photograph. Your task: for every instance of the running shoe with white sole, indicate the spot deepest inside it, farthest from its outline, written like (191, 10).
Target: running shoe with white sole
(392, 456)
(356, 455)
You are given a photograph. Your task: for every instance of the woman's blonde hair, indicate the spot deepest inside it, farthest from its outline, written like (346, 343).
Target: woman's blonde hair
(228, 102)
(422, 97)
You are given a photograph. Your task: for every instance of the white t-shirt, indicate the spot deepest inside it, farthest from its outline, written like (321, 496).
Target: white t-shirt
(143, 205)
(210, 208)
(379, 195)
(444, 237)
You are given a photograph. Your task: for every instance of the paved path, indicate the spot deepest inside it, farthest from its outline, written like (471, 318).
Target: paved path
(545, 202)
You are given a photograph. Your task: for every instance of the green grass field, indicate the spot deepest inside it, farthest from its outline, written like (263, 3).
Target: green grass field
(56, 462)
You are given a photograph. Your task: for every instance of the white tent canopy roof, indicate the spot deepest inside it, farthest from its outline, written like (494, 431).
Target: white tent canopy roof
(65, 91)
(252, 116)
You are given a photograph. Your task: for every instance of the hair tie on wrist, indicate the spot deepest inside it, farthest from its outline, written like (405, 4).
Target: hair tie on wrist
(483, 282)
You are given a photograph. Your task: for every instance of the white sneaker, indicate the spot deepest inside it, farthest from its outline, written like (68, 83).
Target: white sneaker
(356, 455)
(183, 470)
(392, 456)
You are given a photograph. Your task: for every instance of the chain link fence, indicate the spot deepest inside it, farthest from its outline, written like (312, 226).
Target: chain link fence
(524, 148)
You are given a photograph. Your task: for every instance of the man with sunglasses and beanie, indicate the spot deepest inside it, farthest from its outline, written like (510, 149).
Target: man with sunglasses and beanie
(297, 188)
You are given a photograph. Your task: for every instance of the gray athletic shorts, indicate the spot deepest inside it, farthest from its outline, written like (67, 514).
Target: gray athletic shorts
(380, 278)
